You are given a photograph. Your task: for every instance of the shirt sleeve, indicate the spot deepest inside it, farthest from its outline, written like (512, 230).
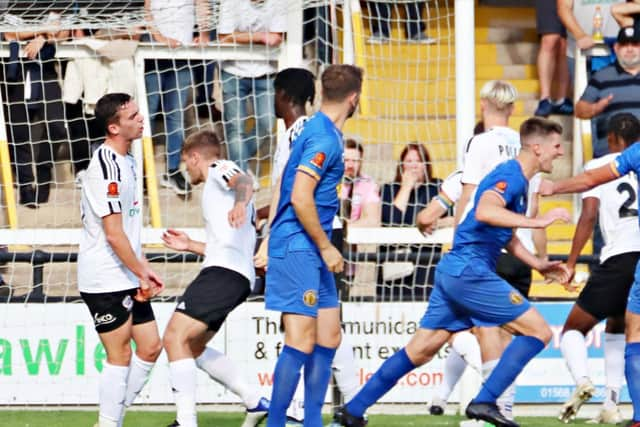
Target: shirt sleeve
(628, 161)
(451, 187)
(591, 94)
(278, 21)
(222, 171)
(319, 153)
(474, 162)
(102, 191)
(506, 187)
(226, 19)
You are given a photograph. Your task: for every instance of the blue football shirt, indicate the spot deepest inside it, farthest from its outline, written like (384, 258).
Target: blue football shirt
(318, 152)
(479, 242)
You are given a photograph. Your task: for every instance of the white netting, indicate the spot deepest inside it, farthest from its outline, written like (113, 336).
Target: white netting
(408, 97)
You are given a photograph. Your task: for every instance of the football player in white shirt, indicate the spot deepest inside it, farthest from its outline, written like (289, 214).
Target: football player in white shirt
(606, 292)
(114, 279)
(224, 282)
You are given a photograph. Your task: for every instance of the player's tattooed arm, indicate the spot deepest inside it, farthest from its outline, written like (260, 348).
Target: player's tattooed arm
(243, 186)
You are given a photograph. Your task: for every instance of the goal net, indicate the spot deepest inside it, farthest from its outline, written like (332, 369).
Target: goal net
(49, 353)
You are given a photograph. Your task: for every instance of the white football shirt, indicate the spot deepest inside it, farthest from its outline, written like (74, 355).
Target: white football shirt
(109, 187)
(618, 210)
(487, 150)
(226, 246)
(283, 147)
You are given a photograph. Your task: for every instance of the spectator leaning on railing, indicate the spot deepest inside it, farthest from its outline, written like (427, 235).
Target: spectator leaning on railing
(612, 89)
(249, 22)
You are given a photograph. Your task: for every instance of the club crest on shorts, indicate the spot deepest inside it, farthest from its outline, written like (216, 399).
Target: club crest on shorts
(127, 302)
(515, 298)
(310, 298)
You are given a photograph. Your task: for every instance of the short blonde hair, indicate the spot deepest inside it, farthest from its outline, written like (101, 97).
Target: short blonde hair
(499, 94)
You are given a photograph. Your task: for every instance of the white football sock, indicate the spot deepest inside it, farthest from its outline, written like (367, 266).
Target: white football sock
(505, 402)
(296, 408)
(467, 346)
(454, 366)
(139, 371)
(345, 369)
(221, 369)
(487, 368)
(183, 384)
(574, 350)
(113, 384)
(613, 367)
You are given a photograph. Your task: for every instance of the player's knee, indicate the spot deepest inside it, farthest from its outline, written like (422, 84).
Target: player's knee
(544, 334)
(120, 356)
(150, 351)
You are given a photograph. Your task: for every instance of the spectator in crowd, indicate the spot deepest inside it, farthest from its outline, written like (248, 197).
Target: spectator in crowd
(380, 18)
(577, 16)
(359, 195)
(612, 90)
(32, 95)
(168, 81)
(414, 185)
(249, 22)
(552, 61)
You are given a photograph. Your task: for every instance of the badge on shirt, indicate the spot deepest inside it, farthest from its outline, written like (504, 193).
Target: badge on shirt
(318, 160)
(112, 190)
(501, 186)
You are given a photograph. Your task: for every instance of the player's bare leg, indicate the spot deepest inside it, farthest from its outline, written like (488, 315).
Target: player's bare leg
(113, 379)
(148, 348)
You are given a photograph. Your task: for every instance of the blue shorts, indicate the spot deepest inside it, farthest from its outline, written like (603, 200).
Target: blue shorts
(477, 297)
(299, 282)
(633, 303)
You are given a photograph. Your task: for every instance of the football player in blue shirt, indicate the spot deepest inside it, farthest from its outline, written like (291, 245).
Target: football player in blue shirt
(468, 292)
(627, 162)
(300, 282)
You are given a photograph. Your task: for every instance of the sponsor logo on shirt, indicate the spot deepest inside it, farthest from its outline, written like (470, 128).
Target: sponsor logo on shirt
(318, 160)
(112, 190)
(310, 298)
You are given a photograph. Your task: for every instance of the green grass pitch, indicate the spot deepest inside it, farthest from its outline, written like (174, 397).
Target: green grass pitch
(218, 419)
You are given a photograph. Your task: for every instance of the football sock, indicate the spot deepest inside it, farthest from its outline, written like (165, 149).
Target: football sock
(505, 401)
(183, 384)
(466, 344)
(574, 350)
(317, 373)
(632, 372)
(139, 371)
(381, 382)
(613, 367)
(113, 385)
(345, 369)
(515, 357)
(285, 380)
(221, 369)
(454, 366)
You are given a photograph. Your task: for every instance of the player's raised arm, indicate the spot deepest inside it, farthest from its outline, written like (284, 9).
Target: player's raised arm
(180, 241)
(243, 186)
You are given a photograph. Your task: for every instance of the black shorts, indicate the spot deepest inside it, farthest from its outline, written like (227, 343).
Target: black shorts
(110, 310)
(606, 292)
(514, 271)
(547, 19)
(213, 294)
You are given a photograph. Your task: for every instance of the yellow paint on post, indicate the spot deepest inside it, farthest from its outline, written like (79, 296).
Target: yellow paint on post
(360, 58)
(7, 182)
(152, 182)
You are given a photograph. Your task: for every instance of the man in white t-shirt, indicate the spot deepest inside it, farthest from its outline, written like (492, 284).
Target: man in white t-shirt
(224, 282)
(606, 292)
(168, 81)
(114, 279)
(253, 23)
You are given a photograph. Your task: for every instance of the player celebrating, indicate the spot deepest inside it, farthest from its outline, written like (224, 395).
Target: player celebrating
(625, 163)
(114, 280)
(223, 283)
(468, 291)
(606, 292)
(301, 256)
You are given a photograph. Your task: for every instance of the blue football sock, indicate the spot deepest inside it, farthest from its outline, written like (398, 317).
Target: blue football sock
(285, 380)
(632, 372)
(317, 373)
(381, 382)
(515, 357)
